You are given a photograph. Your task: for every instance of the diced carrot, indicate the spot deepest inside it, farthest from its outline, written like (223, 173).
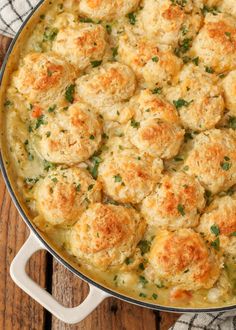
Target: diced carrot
(36, 112)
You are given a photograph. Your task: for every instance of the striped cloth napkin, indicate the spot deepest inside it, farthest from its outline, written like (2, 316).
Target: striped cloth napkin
(12, 15)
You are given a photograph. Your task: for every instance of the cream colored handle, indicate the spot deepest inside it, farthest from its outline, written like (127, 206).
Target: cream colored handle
(20, 277)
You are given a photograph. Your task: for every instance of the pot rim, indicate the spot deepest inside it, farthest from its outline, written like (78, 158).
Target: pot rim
(51, 250)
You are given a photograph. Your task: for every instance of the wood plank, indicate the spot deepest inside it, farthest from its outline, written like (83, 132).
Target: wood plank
(112, 314)
(17, 310)
(166, 320)
(4, 43)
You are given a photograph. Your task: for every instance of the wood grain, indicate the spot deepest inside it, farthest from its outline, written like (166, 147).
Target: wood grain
(19, 312)
(112, 314)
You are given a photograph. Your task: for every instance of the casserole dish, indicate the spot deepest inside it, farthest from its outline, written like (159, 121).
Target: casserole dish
(99, 289)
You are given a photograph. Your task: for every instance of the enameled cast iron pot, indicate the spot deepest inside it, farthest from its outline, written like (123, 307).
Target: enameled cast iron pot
(36, 242)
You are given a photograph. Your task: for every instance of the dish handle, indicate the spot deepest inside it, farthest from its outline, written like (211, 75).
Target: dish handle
(20, 277)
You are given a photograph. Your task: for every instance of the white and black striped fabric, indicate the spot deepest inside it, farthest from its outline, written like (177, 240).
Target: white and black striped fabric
(12, 15)
(207, 321)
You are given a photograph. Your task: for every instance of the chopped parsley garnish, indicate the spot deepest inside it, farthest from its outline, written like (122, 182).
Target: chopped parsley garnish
(114, 52)
(181, 103)
(157, 90)
(8, 103)
(105, 136)
(50, 34)
(141, 266)
(78, 187)
(232, 122)
(154, 296)
(48, 134)
(143, 295)
(129, 261)
(195, 61)
(48, 165)
(180, 208)
(215, 230)
(54, 180)
(144, 246)
(90, 187)
(226, 164)
(117, 178)
(95, 64)
(39, 122)
(95, 164)
(184, 46)
(155, 59)
(85, 20)
(207, 196)
(216, 244)
(31, 181)
(52, 109)
(222, 75)
(70, 91)
(181, 3)
(92, 137)
(178, 159)
(132, 18)
(209, 69)
(233, 234)
(228, 34)
(213, 10)
(134, 123)
(160, 285)
(108, 28)
(143, 280)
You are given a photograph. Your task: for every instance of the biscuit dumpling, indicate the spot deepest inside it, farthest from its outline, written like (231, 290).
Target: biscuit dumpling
(43, 79)
(198, 98)
(126, 174)
(169, 23)
(218, 223)
(213, 159)
(68, 135)
(81, 45)
(64, 194)
(106, 86)
(106, 235)
(183, 259)
(106, 9)
(176, 202)
(215, 45)
(152, 65)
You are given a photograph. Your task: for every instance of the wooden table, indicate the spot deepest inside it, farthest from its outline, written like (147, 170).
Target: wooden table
(19, 311)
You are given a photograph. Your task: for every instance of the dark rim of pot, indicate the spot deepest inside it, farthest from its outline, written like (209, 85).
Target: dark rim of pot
(52, 251)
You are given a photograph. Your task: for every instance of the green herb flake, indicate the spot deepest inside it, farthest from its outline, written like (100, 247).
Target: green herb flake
(180, 208)
(50, 34)
(95, 164)
(155, 59)
(78, 187)
(108, 28)
(8, 103)
(143, 280)
(181, 103)
(52, 109)
(154, 296)
(216, 244)
(117, 178)
(48, 165)
(144, 246)
(157, 90)
(90, 187)
(226, 164)
(39, 122)
(215, 230)
(70, 91)
(196, 61)
(48, 134)
(114, 52)
(134, 123)
(132, 18)
(233, 234)
(95, 64)
(232, 122)
(184, 46)
(92, 137)
(209, 69)
(129, 261)
(142, 295)
(141, 266)
(85, 20)
(54, 180)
